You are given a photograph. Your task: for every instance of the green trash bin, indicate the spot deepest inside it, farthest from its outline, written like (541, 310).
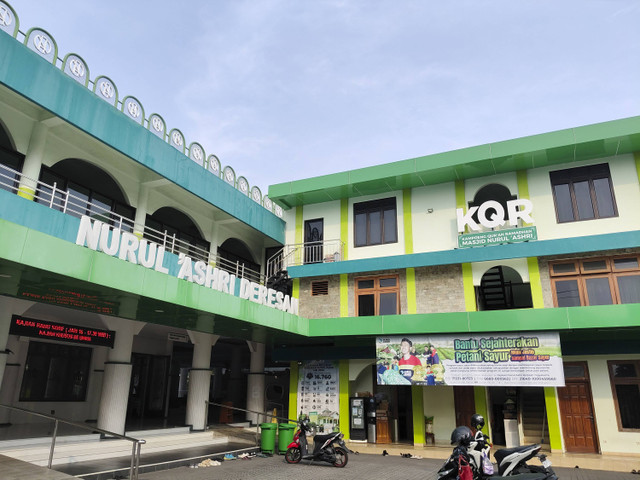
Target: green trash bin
(285, 436)
(268, 437)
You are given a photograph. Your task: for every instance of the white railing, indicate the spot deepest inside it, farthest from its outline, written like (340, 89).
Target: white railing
(326, 251)
(66, 202)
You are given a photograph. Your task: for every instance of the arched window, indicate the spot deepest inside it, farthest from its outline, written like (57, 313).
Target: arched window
(502, 288)
(84, 189)
(10, 162)
(172, 228)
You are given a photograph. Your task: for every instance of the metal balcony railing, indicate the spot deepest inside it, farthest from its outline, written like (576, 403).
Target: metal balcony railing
(72, 204)
(325, 251)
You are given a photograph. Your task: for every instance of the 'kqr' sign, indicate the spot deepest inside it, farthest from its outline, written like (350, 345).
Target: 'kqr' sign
(491, 214)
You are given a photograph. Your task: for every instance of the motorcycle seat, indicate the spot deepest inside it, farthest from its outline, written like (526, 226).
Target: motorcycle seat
(505, 452)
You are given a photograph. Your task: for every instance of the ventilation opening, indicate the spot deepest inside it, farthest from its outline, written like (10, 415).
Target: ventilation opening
(320, 288)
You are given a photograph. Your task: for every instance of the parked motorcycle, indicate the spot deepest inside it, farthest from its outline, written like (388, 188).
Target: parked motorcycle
(472, 453)
(326, 448)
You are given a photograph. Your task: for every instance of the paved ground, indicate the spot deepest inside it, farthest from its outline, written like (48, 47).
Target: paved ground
(360, 466)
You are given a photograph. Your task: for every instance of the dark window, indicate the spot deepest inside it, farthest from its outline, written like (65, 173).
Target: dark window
(625, 384)
(82, 200)
(375, 222)
(596, 281)
(55, 373)
(583, 193)
(9, 160)
(378, 296)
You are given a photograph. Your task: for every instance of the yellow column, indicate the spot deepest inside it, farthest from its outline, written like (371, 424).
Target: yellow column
(553, 418)
(293, 390)
(343, 397)
(344, 238)
(412, 306)
(417, 407)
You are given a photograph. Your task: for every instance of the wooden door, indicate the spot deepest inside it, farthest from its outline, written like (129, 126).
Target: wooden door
(465, 405)
(576, 410)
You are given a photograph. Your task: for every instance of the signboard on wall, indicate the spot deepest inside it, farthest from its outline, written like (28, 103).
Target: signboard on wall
(532, 359)
(318, 383)
(43, 329)
(498, 237)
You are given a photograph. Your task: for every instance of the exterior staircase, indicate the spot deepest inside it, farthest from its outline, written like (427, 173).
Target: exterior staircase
(534, 416)
(93, 457)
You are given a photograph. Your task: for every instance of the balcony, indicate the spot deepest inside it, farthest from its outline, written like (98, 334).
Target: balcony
(325, 251)
(70, 204)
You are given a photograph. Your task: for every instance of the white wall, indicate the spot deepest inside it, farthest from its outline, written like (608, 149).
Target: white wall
(624, 177)
(329, 212)
(439, 404)
(436, 230)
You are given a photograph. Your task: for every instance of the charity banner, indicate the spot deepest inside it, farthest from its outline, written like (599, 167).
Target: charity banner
(523, 359)
(318, 383)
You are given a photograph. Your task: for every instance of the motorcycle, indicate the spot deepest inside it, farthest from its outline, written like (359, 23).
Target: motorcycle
(326, 448)
(472, 453)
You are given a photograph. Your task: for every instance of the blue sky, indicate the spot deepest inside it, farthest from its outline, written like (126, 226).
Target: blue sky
(289, 89)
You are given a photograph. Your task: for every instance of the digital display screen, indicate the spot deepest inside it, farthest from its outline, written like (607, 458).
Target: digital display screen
(69, 298)
(29, 327)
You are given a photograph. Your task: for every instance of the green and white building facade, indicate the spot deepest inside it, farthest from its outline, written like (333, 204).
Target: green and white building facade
(141, 277)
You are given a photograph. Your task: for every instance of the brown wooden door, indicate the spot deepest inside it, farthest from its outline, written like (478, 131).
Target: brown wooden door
(465, 405)
(576, 410)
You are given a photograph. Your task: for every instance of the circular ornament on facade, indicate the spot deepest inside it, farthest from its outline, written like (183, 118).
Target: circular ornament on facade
(42, 43)
(157, 124)
(214, 165)
(5, 16)
(133, 109)
(279, 212)
(106, 89)
(256, 194)
(76, 67)
(267, 203)
(243, 185)
(229, 175)
(177, 139)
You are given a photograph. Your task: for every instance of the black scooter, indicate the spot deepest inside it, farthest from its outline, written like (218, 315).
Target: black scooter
(326, 448)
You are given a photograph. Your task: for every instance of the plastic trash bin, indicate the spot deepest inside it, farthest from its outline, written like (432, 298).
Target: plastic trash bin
(285, 436)
(268, 437)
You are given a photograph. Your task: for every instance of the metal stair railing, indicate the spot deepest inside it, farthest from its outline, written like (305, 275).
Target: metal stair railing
(136, 443)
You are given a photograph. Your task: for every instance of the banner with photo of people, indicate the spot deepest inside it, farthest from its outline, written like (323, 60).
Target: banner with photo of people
(531, 359)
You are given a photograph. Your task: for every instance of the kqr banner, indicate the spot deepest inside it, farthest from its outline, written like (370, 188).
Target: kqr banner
(531, 359)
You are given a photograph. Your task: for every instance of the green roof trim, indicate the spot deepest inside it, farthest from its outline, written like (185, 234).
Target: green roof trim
(588, 142)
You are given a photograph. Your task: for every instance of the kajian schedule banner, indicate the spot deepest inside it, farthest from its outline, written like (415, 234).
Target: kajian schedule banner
(531, 359)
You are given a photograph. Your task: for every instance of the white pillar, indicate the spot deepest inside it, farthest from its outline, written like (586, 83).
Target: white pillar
(112, 412)
(33, 161)
(8, 307)
(199, 379)
(141, 210)
(255, 382)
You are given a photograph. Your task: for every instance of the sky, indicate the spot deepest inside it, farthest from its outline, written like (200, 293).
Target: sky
(283, 90)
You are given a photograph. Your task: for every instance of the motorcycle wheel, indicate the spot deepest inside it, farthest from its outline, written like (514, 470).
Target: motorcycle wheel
(293, 455)
(341, 457)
